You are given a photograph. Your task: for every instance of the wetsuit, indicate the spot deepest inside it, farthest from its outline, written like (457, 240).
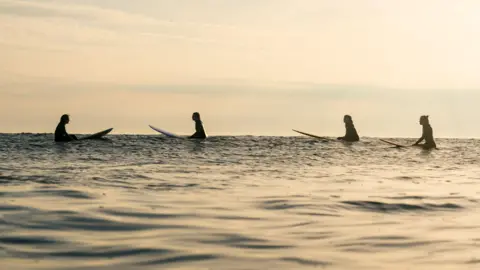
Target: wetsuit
(427, 135)
(61, 134)
(351, 134)
(199, 131)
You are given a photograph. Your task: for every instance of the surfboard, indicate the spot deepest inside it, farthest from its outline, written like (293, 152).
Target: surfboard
(97, 135)
(401, 146)
(166, 133)
(310, 135)
(393, 143)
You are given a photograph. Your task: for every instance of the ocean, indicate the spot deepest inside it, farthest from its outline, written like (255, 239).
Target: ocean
(149, 202)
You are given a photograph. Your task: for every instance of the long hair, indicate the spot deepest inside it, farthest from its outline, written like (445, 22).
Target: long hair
(347, 118)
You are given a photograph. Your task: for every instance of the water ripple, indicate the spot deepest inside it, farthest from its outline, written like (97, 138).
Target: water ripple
(400, 207)
(181, 259)
(307, 262)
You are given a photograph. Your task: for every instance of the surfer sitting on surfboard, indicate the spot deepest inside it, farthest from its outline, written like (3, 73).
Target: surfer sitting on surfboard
(351, 134)
(199, 131)
(427, 134)
(61, 134)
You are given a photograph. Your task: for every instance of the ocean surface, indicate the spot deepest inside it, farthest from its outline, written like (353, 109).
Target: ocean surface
(149, 202)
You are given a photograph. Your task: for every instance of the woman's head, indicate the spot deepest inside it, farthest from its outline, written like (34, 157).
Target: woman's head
(196, 116)
(65, 119)
(347, 119)
(424, 120)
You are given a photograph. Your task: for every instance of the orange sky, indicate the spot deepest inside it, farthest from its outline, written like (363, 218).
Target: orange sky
(251, 67)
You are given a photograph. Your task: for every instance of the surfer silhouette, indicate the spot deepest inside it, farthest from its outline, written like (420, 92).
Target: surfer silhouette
(199, 130)
(61, 134)
(351, 134)
(427, 134)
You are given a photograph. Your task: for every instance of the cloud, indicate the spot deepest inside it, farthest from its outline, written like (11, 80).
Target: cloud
(337, 42)
(88, 17)
(73, 11)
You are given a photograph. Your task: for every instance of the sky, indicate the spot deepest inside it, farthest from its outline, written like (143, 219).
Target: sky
(250, 67)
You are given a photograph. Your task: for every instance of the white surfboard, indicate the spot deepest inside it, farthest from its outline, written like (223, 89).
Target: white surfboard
(97, 135)
(311, 135)
(166, 133)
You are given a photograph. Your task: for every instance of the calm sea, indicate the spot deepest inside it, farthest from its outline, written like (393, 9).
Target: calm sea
(147, 202)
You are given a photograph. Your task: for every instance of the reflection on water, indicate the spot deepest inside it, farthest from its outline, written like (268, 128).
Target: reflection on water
(145, 202)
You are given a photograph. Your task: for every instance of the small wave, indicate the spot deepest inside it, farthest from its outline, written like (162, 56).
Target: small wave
(125, 213)
(107, 252)
(138, 164)
(406, 178)
(306, 262)
(280, 205)
(420, 198)
(21, 179)
(7, 179)
(400, 207)
(368, 246)
(181, 259)
(7, 207)
(28, 240)
(236, 218)
(72, 194)
(65, 220)
(240, 241)
(170, 186)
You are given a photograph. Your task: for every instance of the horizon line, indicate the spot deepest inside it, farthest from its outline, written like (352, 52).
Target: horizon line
(237, 135)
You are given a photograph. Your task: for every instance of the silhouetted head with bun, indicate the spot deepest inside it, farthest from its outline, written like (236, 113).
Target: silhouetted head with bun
(65, 119)
(347, 119)
(424, 120)
(196, 116)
